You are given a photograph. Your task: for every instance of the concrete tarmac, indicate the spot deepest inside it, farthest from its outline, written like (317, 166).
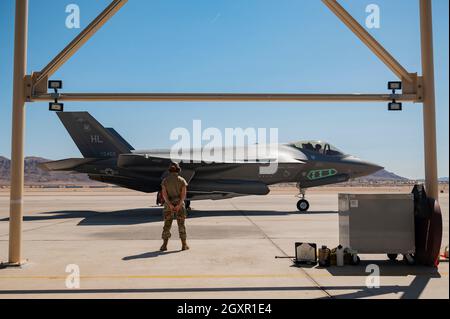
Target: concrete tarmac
(112, 237)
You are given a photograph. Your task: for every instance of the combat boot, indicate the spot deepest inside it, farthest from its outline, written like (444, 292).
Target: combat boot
(184, 245)
(164, 245)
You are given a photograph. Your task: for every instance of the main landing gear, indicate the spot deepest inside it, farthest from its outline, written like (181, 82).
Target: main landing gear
(302, 204)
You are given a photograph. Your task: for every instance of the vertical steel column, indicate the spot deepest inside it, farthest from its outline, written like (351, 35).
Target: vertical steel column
(429, 104)
(18, 128)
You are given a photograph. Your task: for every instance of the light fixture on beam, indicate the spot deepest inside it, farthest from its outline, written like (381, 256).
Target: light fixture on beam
(394, 105)
(394, 85)
(55, 85)
(56, 107)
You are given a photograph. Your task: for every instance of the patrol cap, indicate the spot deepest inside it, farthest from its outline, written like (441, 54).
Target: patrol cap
(174, 167)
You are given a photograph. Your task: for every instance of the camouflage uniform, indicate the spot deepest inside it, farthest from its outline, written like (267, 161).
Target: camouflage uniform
(173, 185)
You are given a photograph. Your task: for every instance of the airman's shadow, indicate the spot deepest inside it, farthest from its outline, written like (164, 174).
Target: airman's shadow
(152, 254)
(144, 215)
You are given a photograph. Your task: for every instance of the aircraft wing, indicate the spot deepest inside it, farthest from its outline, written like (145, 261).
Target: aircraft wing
(154, 162)
(208, 189)
(150, 164)
(146, 163)
(66, 164)
(142, 163)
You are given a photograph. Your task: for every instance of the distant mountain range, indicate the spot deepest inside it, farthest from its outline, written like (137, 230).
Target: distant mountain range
(37, 176)
(383, 175)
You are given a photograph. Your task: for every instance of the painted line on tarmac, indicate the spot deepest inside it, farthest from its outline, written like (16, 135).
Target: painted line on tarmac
(249, 276)
(237, 276)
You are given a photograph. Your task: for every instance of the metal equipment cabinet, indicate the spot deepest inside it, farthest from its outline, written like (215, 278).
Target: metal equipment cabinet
(377, 224)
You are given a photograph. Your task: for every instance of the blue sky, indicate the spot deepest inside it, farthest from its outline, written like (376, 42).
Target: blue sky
(284, 46)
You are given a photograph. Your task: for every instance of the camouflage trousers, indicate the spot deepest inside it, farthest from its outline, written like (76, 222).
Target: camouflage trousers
(168, 219)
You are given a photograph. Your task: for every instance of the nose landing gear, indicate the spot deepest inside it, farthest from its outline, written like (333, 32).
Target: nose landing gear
(302, 204)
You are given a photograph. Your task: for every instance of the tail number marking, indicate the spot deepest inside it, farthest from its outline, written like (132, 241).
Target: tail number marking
(96, 139)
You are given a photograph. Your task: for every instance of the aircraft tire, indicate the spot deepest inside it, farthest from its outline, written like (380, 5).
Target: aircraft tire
(303, 205)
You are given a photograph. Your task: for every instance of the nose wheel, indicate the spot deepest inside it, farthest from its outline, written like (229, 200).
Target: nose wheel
(302, 204)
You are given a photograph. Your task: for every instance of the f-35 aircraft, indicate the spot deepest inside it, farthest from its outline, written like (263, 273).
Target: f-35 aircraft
(108, 158)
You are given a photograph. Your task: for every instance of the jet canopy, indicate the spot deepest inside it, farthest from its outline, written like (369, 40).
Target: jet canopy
(323, 148)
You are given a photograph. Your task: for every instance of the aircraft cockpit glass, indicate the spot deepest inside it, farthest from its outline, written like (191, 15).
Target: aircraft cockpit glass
(318, 147)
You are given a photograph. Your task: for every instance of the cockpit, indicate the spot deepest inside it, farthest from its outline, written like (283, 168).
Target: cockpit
(319, 147)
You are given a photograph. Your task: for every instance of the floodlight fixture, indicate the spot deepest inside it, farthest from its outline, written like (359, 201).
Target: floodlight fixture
(55, 85)
(395, 106)
(394, 85)
(56, 107)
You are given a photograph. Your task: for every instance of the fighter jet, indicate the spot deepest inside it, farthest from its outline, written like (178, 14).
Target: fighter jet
(109, 158)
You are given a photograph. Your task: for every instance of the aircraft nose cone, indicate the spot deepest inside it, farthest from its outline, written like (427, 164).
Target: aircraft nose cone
(373, 168)
(362, 168)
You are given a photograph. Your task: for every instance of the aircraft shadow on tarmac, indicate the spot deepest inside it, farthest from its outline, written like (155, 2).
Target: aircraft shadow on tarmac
(143, 216)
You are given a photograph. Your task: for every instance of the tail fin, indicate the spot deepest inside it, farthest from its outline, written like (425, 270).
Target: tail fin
(91, 138)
